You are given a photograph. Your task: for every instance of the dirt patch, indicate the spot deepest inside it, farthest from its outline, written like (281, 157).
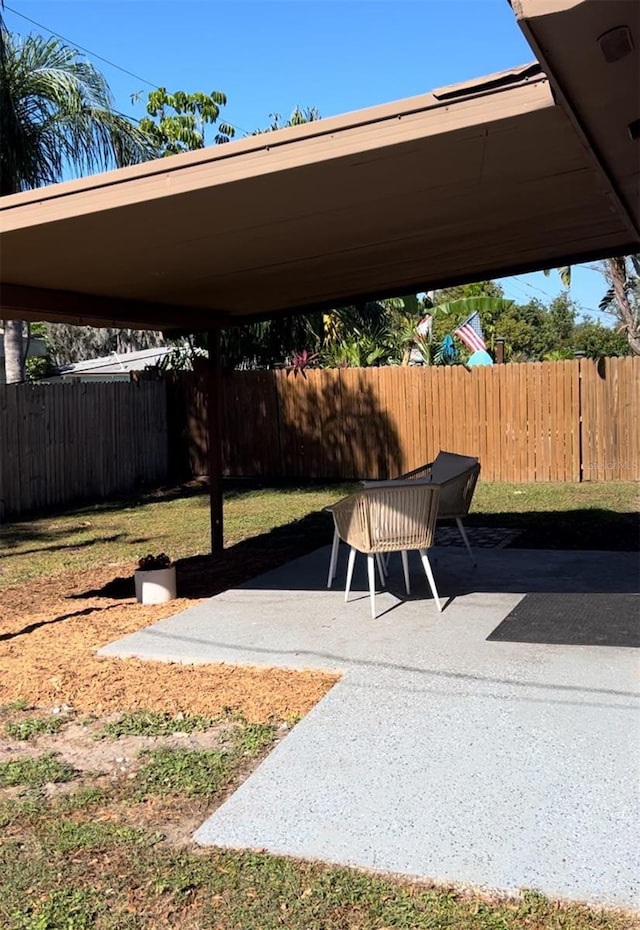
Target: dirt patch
(80, 744)
(50, 631)
(109, 764)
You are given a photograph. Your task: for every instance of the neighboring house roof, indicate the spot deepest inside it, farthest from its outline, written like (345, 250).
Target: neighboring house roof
(516, 171)
(116, 363)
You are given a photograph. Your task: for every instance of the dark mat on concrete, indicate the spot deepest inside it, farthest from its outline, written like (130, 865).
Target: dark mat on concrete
(480, 537)
(573, 620)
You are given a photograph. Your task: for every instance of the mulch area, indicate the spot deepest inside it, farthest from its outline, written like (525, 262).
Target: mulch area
(51, 628)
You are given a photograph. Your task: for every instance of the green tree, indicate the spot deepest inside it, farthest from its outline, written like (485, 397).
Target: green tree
(299, 116)
(622, 299)
(178, 122)
(69, 343)
(56, 118)
(458, 291)
(361, 335)
(595, 340)
(270, 343)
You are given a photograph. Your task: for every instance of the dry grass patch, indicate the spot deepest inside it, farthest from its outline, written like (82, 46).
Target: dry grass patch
(49, 635)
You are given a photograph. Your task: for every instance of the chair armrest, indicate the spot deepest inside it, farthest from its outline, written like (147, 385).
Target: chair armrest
(346, 514)
(423, 471)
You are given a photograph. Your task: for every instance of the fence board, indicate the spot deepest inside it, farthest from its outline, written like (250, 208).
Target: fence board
(70, 442)
(549, 421)
(631, 416)
(523, 420)
(610, 403)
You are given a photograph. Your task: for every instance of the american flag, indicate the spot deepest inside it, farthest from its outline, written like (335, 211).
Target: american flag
(471, 333)
(425, 325)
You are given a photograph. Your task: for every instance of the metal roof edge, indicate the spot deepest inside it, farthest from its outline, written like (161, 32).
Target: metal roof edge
(445, 97)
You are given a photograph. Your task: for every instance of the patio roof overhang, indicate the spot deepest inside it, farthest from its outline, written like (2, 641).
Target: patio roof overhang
(520, 170)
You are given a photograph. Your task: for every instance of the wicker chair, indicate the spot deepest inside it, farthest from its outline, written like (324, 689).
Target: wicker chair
(457, 476)
(393, 516)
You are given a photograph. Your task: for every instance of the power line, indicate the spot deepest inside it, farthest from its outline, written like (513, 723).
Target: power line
(82, 48)
(106, 60)
(522, 294)
(533, 287)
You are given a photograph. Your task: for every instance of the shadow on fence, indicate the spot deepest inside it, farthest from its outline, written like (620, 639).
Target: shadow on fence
(328, 425)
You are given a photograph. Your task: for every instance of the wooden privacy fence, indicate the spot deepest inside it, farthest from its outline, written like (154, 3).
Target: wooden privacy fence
(542, 421)
(66, 442)
(539, 421)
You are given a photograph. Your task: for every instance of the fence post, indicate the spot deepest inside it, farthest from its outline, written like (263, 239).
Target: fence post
(580, 421)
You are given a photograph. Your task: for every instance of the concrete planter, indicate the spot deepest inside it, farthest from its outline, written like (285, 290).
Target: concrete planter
(155, 587)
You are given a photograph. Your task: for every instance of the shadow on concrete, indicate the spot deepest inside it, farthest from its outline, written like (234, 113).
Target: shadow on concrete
(500, 571)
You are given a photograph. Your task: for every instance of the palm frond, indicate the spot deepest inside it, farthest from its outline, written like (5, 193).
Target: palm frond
(57, 116)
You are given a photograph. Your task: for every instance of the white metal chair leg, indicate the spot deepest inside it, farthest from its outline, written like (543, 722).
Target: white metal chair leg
(334, 558)
(432, 584)
(350, 564)
(371, 572)
(405, 568)
(463, 533)
(381, 568)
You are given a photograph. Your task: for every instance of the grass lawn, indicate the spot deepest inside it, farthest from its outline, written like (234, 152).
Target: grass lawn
(104, 843)
(119, 533)
(99, 800)
(590, 515)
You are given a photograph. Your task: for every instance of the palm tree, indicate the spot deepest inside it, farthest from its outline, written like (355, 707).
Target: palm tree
(56, 119)
(622, 299)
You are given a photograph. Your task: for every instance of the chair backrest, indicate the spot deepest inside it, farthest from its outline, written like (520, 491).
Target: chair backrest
(456, 493)
(457, 475)
(399, 515)
(448, 465)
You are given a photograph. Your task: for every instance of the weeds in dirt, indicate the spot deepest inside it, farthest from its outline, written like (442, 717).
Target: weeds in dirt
(34, 773)
(33, 726)
(19, 705)
(188, 771)
(84, 797)
(201, 772)
(251, 739)
(63, 836)
(63, 909)
(228, 890)
(23, 810)
(150, 723)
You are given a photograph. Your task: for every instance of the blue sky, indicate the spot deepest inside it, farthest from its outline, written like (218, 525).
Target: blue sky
(271, 55)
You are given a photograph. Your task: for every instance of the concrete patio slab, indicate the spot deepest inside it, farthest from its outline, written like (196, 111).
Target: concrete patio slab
(438, 754)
